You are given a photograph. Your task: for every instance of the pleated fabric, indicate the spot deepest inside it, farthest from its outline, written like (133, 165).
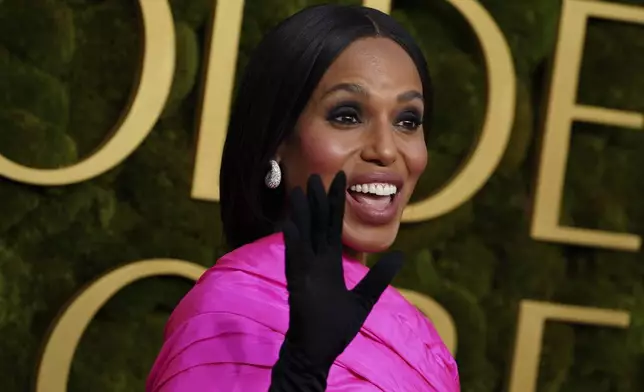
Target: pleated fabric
(226, 333)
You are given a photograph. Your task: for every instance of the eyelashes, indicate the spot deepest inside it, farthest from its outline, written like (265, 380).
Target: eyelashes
(349, 114)
(345, 114)
(410, 119)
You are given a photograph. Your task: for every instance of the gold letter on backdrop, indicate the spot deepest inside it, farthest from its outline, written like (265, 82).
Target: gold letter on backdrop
(562, 112)
(381, 5)
(149, 99)
(532, 319)
(58, 353)
(217, 95)
(498, 119)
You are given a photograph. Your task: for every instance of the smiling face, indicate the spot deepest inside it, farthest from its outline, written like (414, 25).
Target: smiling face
(365, 118)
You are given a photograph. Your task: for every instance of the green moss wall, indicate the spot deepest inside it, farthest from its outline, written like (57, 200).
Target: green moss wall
(67, 68)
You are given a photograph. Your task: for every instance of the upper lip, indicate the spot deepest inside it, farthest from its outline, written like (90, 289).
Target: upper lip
(376, 178)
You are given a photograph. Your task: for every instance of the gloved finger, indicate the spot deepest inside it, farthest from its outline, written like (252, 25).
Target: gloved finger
(301, 215)
(319, 207)
(337, 198)
(371, 287)
(293, 266)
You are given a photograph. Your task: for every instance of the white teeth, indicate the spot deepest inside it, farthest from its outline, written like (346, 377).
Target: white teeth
(376, 189)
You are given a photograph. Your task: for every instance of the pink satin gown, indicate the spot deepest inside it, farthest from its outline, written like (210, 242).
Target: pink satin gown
(226, 333)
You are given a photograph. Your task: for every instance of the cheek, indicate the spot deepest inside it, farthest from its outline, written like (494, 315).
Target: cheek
(416, 159)
(321, 151)
(322, 154)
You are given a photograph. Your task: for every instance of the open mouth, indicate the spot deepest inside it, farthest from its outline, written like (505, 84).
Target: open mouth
(377, 196)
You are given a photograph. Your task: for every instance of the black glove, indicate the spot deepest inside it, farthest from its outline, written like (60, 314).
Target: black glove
(324, 316)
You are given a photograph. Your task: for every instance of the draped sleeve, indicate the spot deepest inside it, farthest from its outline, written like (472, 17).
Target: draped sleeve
(216, 352)
(223, 336)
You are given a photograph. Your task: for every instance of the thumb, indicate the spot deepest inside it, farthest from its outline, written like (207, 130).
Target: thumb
(371, 287)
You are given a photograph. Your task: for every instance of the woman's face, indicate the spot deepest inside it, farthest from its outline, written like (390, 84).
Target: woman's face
(365, 118)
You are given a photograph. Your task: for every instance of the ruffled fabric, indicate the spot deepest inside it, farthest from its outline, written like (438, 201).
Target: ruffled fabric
(226, 333)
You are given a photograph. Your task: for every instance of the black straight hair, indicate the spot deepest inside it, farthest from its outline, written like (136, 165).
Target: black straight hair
(279, 79)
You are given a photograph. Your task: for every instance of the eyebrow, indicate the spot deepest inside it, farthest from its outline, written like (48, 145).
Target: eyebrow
(358, 89)
(410, 96)
(348, 87)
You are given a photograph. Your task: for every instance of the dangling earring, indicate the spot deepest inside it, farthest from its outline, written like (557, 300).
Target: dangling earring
(274, 176)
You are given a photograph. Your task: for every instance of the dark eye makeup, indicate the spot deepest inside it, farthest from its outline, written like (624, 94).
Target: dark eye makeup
(350, 113)
(409, 119)
(345, 113)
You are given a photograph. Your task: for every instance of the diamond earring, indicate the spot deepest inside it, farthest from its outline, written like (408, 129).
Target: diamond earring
(274, 176)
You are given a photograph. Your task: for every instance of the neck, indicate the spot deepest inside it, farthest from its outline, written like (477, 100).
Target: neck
(359, 256)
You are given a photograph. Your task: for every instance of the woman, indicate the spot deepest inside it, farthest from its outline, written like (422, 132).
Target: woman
(333, 98)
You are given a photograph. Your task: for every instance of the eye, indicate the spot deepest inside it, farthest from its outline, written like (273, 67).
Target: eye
(410, 120)
(345, 115)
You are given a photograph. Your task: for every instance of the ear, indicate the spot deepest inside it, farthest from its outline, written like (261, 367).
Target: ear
(281, 152)
(287, 149)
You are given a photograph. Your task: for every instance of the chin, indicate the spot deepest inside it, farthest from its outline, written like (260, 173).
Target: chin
(369, 239)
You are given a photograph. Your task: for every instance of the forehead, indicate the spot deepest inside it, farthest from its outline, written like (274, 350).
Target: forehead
(376, 63)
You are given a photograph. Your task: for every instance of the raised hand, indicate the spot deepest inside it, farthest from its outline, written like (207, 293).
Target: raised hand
(324, 315)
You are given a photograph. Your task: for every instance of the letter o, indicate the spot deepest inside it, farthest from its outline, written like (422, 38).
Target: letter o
(153, 89)
(58, 354)
(497, 127)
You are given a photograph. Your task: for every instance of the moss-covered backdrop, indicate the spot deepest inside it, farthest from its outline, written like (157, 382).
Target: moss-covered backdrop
(66, 70)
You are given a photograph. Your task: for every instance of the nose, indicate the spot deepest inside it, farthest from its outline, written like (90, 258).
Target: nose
(380, 145)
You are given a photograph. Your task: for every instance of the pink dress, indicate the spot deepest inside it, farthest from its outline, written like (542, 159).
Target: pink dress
(226, 333)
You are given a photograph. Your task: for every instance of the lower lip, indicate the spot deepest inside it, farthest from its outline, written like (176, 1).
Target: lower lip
(371, 215)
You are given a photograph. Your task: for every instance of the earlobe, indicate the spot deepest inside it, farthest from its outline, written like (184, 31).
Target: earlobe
(280, 152)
